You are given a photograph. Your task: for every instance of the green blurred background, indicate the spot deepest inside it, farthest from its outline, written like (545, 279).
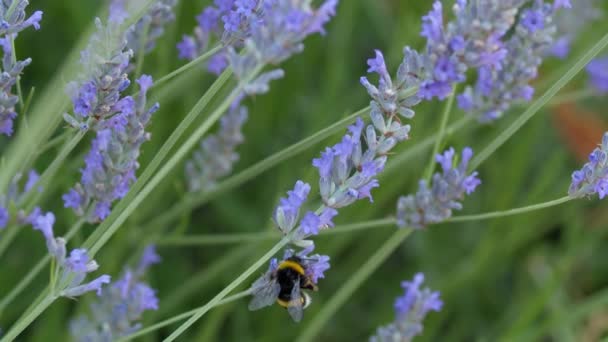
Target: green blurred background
(528, 277)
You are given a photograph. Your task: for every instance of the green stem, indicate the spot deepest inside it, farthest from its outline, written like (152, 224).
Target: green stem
(187, 66)
(118, 212)
(539, 103)
(25, 320)
(445, 117)
(213, 302)
(35, 271)
(351, 284)
(141, 53)
(221, 239)
(182, 316)
(28, 101)
(510, 212)
(190, 202)
(14, 60)
(53, 142)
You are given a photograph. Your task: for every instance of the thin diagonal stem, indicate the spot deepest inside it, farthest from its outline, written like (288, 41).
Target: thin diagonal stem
(445, 117)
(516, 211)
(352, 284)
(181, 317)
(222, 294)
(187, 66)
(194, 200)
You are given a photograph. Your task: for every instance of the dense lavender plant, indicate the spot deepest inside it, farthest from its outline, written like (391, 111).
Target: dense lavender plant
(70, 271)
(12, 21)
(472, 40)
(216, 155)
(96, 96)
(265, 290)
(598, 74)
(434, 204)
(112, 161)
(151, 26)
(274, 33)
(593, 177)
(410, 311)
(572, 23)
(118, 310)
(14, 196)
(497, 88)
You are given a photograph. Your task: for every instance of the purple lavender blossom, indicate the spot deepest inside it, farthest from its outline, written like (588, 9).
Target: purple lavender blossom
(266, 289)
(571, 24)
(410, 311)
(209, 29)
(4, 217)
(14, 196)
(593, 177)
(287, 213)
(216, 155)
(499, 87)
(120, 307)
(15, 20)
(274, 33)
(10, 25)
(435, 204)
(74, 268)
(472, 40)
(598, 74)
(151, 25)
(96, 96)
(112, 161)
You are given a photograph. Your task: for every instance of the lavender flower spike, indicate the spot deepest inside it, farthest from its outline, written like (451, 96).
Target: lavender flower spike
(118, 310)
(472, 40)
(74, 268)
(159, 15)
(593, 177)
(598, 74)
(435, 204)
(410, 311)
(498, 88)
(275, 31)
(10, 25)
(96, 96)
(571, 24)
(112, 161)
(217, 154)
(14, 195)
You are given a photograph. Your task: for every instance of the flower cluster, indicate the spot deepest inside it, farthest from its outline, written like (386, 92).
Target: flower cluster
(472, 40)
(598, 74)
(112, 161)
(266, 289)
(219, 22)
(274, 33)
(571, 24)
(217, 154)
(14, 195)
(151, 26)
(593, 177)
(72, 269)
(12, 21)
(410, 311)
(435, 204)
(96, 96)
(119, 308)
(498, 87)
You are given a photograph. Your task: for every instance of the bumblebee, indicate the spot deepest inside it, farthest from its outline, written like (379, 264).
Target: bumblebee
(283, 286)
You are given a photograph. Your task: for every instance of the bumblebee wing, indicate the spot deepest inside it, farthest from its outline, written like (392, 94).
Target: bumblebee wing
(265, 293)
(296, 305)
